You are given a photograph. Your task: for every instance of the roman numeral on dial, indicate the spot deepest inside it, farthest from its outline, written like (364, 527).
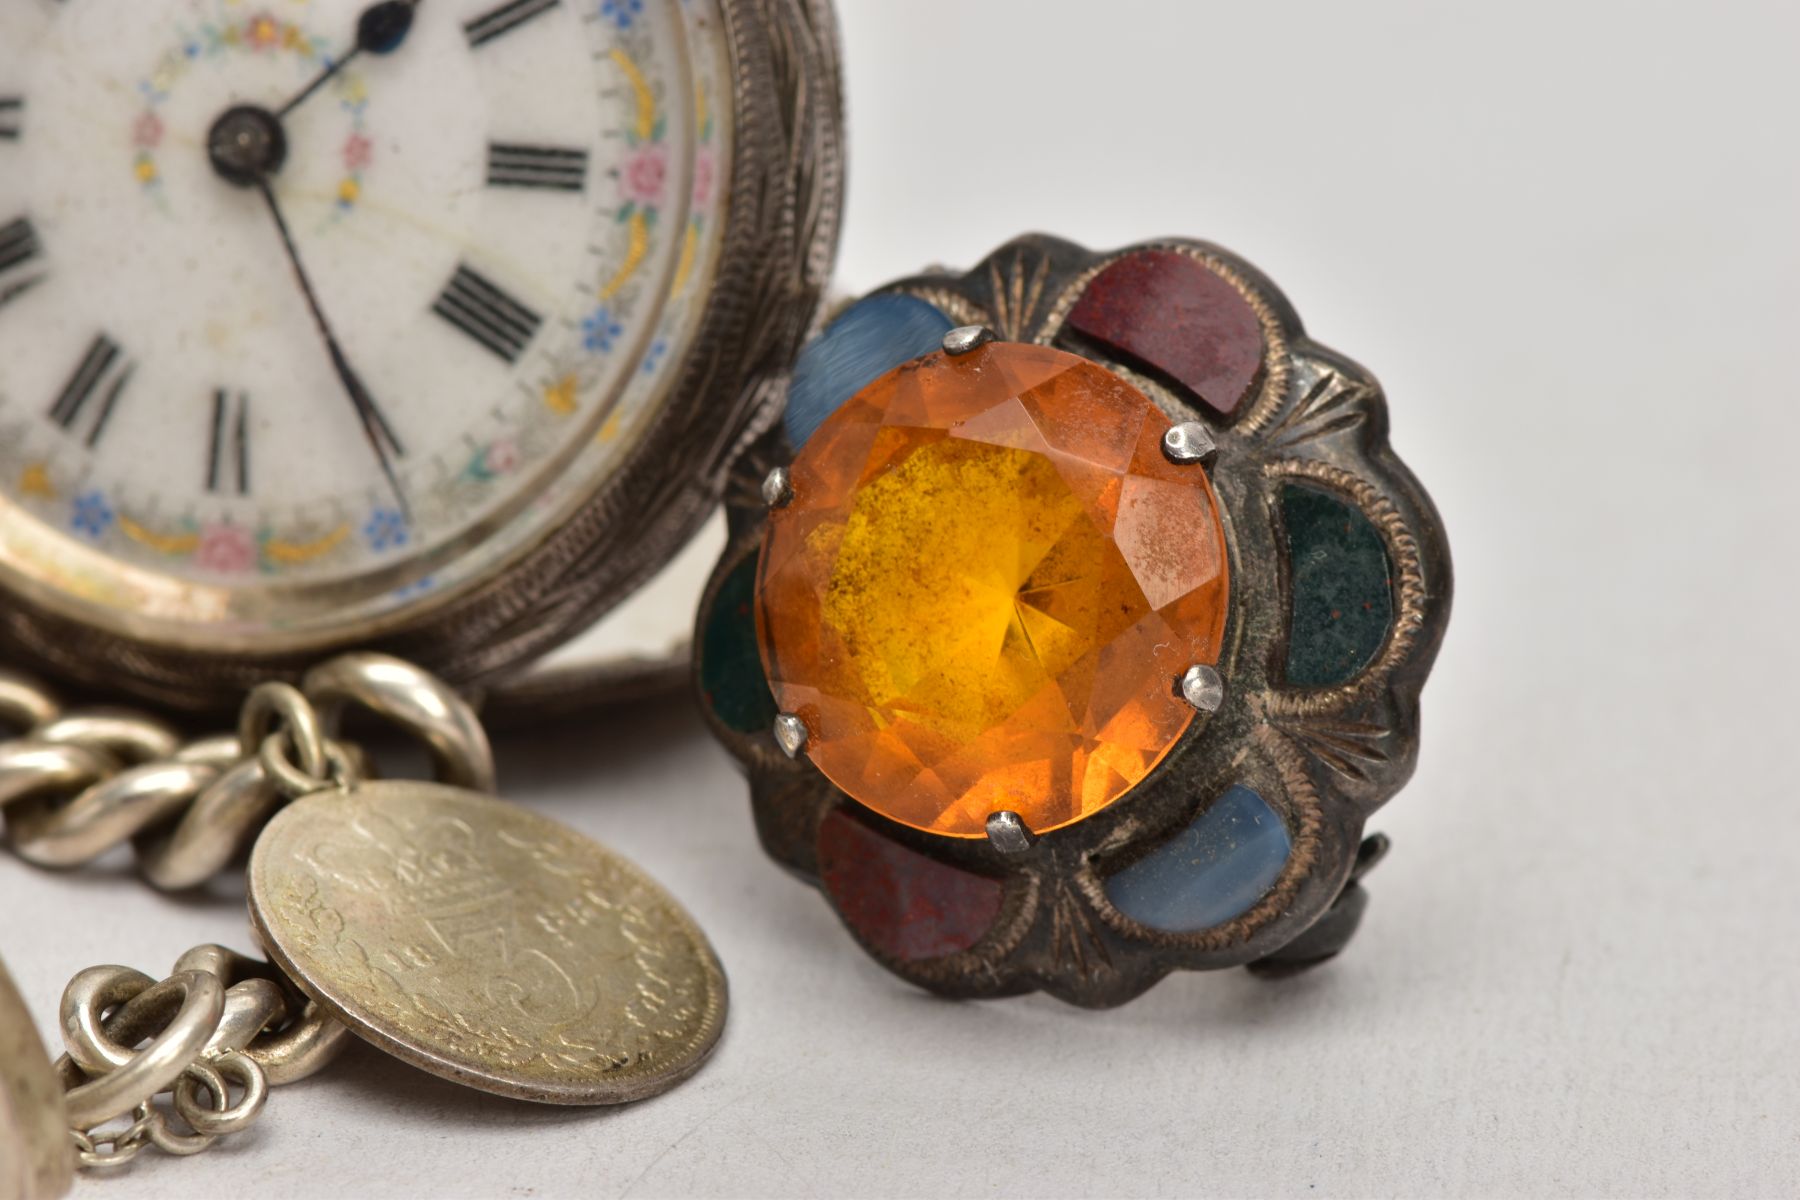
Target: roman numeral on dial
(545, 167)
(94, 388)
(505, 19)
(228, 460)
(12, 118)
(20, 253)
(480, 309)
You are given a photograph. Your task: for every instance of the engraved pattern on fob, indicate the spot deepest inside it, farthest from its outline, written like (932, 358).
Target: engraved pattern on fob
(579, 979)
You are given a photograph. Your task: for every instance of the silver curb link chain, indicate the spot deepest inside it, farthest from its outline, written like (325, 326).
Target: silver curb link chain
(221, 1029)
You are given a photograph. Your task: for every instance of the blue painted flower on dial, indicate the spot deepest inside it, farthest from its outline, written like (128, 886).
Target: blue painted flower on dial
(92, 515)
(621, 12)
(600, 330)
(386, 530)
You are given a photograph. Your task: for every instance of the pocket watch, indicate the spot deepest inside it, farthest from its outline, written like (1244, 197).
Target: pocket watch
(418, 324)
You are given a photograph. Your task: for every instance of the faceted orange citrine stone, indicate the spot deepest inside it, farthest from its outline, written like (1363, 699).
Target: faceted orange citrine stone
(987, 587)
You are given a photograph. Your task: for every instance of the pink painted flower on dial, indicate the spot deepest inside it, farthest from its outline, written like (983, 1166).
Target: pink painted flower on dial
(359, 151)
(225, 548)
(704, 178)
(503, 456)
(148, 131)
(645, 175)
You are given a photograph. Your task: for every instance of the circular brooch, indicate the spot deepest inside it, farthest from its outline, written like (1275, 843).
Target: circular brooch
(1073, 623)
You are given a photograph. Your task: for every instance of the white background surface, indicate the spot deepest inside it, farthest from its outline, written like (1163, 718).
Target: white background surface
(1565, 236)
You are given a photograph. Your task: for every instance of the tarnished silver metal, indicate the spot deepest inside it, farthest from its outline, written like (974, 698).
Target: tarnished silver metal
(24, 702)
(109, 813)
(281, 711)
(285, 1034)
(98, 991)
(790, 734)
(1189, 442)
(172, 1141)
(416, 701)
(223, 817)
(1009, 834)
(125, 1144)
(301, 1049)
(130, 736)
(778, 235)
(215, 1074)
(36, 1160)
(1204, 688)
(778, 488)
(967, 338)
(519, 957)
(28, 769)
(220, 1023)
(76, 784)
(293, 780)
(115, 1089)
(1324, 751)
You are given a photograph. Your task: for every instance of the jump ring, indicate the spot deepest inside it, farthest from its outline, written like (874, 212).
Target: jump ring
(418, 702)
(295, 781)
(89, 996)
(280, 709)
(155, 1068)
(345, 771)
(164, 1138)
(223, 1117)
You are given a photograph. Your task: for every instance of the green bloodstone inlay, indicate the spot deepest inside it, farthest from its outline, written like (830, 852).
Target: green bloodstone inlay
(731, 671)
(1342, 588)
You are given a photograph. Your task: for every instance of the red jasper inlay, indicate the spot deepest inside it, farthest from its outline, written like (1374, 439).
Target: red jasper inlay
(1170, 313)
(902, 903)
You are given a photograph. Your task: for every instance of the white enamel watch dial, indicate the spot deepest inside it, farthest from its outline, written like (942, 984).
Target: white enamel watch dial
(284, 367)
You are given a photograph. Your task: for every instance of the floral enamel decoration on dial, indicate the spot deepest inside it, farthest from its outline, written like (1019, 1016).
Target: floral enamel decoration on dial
(333, 312)
(465, 225)
(1074, 623)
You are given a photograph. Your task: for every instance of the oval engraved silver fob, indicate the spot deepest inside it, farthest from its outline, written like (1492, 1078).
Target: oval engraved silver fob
(486, 944)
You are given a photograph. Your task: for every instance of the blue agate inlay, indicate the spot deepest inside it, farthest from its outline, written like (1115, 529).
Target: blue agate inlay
(871, 338)
(1212, 871)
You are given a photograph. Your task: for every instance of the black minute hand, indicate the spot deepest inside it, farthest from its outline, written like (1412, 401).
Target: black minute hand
(381, 29)
(375, 427)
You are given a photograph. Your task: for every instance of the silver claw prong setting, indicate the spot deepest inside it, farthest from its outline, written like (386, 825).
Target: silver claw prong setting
(1008, 833)
(1203, 688)
(1189, 444)
(778, 488)
(790, 734)
(965, 338)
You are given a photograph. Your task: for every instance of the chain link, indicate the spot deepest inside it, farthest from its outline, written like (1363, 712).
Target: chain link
(123, 1145)
(219, 1022)
(74, 784)
(77, 783)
